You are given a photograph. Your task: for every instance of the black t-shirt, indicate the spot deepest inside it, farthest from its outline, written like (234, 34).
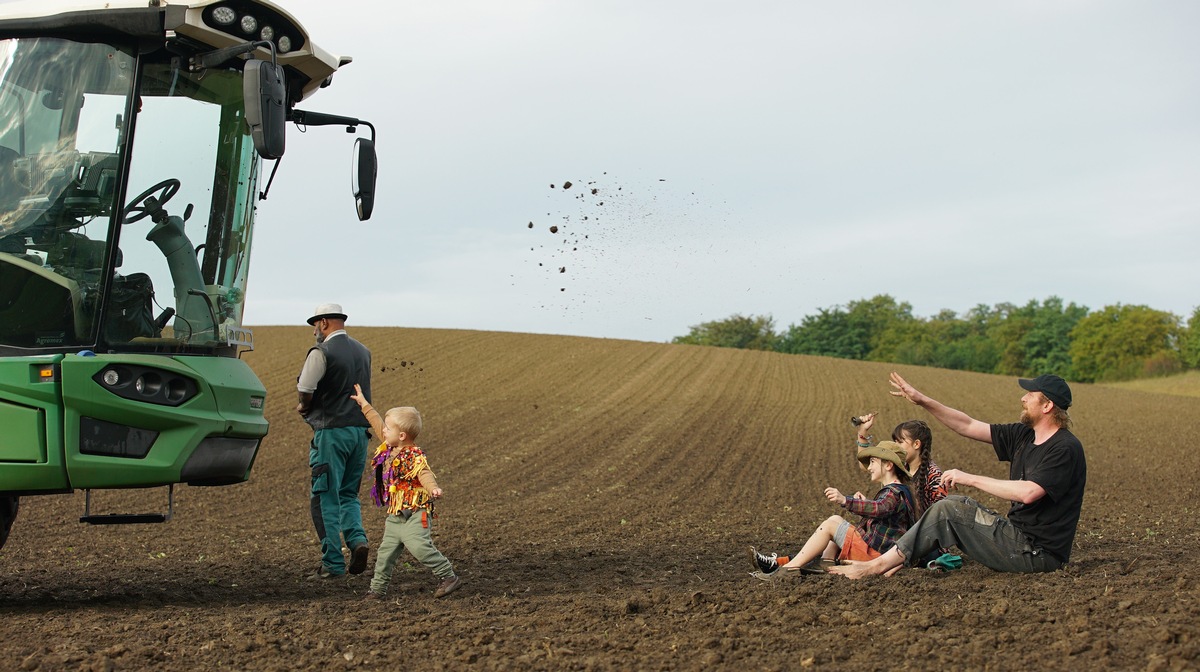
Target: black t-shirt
(1058, 465)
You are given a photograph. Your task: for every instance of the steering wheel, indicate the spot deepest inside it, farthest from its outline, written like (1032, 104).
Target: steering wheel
(136, 211)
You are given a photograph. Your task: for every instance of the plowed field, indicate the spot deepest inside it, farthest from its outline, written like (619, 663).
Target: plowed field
(601, 495)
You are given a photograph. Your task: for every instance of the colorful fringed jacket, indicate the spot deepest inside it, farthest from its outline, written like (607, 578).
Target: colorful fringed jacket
(397, 483)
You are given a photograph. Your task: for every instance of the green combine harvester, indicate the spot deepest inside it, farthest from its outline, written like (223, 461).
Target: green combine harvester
(132, 136)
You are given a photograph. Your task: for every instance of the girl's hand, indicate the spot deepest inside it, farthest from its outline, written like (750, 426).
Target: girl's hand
(859, 495)
(865, 423)
(358, 395)
(834, 495)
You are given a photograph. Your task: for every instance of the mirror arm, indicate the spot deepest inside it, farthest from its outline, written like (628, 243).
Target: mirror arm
(306, 118)
(215, 58)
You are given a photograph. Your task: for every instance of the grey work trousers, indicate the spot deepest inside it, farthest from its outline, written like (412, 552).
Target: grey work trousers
(984, 535)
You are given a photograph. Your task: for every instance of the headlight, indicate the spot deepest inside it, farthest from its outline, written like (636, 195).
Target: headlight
(143, 383)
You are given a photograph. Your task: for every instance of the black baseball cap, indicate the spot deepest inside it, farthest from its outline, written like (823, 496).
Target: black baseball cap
(1052, 386)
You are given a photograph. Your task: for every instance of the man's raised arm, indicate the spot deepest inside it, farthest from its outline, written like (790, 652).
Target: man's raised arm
(957, 421)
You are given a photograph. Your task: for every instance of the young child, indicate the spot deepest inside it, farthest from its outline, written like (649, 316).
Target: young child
(884, 518)
(915, 437)
(405, 484)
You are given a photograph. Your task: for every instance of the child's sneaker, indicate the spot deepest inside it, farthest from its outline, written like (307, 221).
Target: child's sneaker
(765, 564)
(761, 576)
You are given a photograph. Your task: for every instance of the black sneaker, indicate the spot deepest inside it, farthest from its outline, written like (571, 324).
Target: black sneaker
(767, 564)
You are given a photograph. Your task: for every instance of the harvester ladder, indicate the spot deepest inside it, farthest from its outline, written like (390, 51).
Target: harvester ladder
(126, 518)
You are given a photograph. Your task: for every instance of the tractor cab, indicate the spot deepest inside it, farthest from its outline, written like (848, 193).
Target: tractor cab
(128, 177)
(132, 138)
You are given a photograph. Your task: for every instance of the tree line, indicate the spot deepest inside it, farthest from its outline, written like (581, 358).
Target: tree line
(1118, 342)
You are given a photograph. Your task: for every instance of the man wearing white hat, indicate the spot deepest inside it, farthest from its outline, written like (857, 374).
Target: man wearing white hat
(338, 452)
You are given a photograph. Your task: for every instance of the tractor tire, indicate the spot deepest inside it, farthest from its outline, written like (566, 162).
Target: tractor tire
(8, 513)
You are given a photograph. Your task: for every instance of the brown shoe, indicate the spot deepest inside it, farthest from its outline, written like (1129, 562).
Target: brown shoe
(448, 586)
(372, 596)
(358, 559)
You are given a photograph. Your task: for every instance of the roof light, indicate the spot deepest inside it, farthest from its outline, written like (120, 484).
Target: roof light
(249, 24)
(285, 44)
(267, 33)
(224, 15)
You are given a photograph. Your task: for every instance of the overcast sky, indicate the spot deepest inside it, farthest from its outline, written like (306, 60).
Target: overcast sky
(753, 157)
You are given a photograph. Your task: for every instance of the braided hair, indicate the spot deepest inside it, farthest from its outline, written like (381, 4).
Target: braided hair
(918, 430)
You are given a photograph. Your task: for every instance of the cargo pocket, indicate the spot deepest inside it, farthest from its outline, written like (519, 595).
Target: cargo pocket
(320, 479)
(985, 517)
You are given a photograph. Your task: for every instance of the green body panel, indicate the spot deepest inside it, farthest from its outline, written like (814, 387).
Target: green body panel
(222, 407)
(31, 421)
(24, 435)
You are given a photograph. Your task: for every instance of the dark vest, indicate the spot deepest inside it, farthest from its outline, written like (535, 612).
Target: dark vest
(346, 362)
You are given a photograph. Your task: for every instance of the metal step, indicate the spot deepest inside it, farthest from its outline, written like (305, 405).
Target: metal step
(126, 518)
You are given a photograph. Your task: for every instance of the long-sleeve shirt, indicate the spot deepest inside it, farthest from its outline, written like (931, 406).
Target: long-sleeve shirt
(403, 479)
(885, 518)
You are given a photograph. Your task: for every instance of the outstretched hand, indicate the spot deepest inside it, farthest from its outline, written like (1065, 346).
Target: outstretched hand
(903, 389)
(834, 495)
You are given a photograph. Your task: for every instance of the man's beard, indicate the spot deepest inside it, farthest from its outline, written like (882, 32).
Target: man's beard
(1025, 419)
(320, 338)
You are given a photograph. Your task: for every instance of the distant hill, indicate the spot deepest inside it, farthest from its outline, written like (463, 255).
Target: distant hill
(1184, 384)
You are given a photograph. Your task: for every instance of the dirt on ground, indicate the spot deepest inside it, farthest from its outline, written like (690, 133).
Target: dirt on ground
(600, 499)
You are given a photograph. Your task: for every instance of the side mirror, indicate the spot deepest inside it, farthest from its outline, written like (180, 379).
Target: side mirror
(362, 179)
(264, 92)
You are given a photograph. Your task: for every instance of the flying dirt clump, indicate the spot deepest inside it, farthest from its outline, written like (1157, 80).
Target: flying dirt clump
(404, 364)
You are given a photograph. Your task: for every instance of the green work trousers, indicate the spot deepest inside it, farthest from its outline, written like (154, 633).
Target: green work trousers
(337, 457)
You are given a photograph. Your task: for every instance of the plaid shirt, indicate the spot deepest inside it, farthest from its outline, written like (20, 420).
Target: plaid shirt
(885, 518)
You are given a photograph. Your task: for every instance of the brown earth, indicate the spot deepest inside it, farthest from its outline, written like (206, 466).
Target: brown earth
(601, 495)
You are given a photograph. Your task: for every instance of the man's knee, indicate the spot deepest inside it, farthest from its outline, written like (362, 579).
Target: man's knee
(951, 506)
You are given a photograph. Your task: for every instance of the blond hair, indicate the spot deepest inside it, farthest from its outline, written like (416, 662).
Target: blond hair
(406, 419)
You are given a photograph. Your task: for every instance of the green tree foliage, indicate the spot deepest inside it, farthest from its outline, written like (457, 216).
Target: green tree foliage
(1122, 342)
(1116, 343)
(944, 341)
(1035, 338)
(748, 333)
(1189, 346)
(853, 332)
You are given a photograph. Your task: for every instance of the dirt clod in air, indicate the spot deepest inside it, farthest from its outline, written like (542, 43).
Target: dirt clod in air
(531, 225)
(566, 185)
(554, 229)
